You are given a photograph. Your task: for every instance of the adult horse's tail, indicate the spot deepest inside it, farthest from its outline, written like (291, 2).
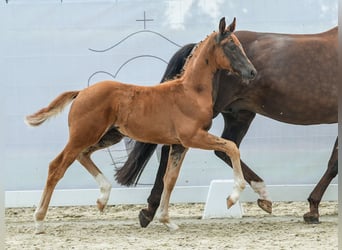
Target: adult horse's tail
(131, 171)
(54, 108)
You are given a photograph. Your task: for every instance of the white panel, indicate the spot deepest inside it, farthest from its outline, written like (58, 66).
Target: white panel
(181, 194)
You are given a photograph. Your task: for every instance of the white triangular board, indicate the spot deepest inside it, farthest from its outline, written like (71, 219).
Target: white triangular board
(216, 205)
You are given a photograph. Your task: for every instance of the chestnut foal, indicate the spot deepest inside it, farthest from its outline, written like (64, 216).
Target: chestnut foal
(178, 113)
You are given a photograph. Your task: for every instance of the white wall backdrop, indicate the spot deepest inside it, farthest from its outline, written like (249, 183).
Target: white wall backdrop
(48, 47)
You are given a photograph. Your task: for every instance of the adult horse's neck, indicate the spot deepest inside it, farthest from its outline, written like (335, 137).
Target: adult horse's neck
(200, 68)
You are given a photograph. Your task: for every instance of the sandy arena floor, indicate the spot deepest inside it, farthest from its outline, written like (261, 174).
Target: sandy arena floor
(118, 228)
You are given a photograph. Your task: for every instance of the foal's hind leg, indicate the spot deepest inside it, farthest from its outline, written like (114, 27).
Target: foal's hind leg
(176, 157)
(110, 138)
(316, 195)
(57, 169)
(104, 184)
(81, 137)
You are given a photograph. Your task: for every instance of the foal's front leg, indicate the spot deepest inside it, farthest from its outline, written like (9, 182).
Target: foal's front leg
(176, 157)
(204, 140)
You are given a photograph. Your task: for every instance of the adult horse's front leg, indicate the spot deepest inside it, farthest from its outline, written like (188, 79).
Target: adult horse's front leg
(146, 215)
(176, 157)
(316, 195)
(236, 127)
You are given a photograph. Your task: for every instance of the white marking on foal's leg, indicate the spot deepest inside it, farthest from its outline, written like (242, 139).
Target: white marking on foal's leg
(260, 188)
(239, 186)
(105, 188)
(39, 224)
(162, 214)
(163, 217)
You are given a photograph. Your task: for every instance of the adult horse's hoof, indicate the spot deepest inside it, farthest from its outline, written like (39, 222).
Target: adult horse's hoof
(311, 218)
(144, 218)
(265, 205)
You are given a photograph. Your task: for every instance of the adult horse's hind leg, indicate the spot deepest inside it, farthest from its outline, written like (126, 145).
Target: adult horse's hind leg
(236, 127)
(111, 137)
(176, 157)
(316, 195)
(57, 169)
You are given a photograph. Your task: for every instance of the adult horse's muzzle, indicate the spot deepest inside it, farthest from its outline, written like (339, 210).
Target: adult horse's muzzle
(248, 74)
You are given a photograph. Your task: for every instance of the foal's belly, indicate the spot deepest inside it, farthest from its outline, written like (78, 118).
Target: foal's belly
(150, 133)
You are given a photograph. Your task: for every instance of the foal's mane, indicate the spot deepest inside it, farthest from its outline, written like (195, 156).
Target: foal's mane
(188, 56)
(186, 52)
(194, 49)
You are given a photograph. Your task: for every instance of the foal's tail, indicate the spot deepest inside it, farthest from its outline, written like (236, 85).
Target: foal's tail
(54, 108)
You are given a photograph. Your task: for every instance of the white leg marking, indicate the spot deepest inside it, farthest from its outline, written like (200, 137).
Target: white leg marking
(164, 218)
(171, 226)
(39, 224)
(239, 186)
(260, 188)
(105, 188)
(239, 181)
(163, 215)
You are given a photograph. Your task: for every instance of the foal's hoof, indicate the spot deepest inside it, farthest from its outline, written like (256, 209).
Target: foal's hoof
(37, 232)
(230, 203)
(311, 218)
(265, 205)
(144, 218)
(39, 228)
(100, 205)
(171, 226)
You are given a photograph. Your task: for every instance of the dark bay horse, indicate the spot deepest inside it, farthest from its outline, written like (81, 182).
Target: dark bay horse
(296, 84)
(178, 113)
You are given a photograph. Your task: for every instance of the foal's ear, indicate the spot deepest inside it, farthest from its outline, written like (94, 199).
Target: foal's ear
(231, 27)
(222, 25)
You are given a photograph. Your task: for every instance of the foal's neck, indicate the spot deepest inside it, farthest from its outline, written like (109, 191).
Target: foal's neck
(200, 67)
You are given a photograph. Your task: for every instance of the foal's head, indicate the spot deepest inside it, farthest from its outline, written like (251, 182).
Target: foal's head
(229, 53)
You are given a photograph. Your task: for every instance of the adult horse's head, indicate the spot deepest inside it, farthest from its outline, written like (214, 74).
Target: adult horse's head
(229, 52)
